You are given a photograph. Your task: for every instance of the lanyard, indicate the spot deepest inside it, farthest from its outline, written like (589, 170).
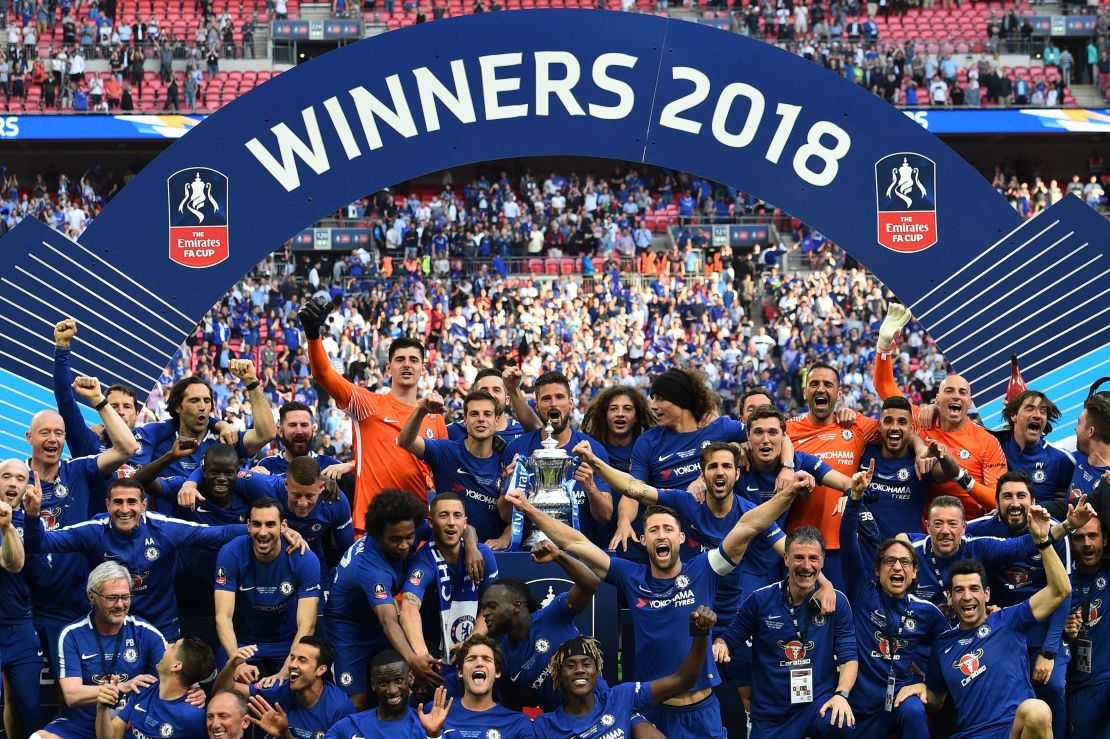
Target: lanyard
(892, 642)
(936, 571)
(106, 669)
(801, 635)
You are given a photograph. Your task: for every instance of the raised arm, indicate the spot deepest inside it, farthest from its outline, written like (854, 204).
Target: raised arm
(755, 522)
(11, 551)
(1046, 600)
(107, 725)
(410, 438)
(80, 438)
(897, 316)
(148, 474)
(565, 537)
(620, 482)
(312, 315)
(681, 680)
(123, 441)
(585, 581)
(522, 412)
(264, 428)
(225, 680)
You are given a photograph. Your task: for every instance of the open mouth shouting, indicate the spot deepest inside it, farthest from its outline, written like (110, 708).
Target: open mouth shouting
(719, 485)
(620, 425)
(663, 551)
(894, 438)
(480, 679)
(52, 448)
(821, 402)
(897, 579)
(954, 409)
(968, 609)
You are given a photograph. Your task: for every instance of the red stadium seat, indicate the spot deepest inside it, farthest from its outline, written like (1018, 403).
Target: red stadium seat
(551, 266)
(568, 265)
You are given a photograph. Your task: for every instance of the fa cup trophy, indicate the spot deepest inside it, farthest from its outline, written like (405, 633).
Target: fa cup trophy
(547, 479)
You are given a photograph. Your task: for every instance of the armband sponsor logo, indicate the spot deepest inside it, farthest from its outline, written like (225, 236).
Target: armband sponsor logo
(380, 592)
(221, 576)
(198, 216)
(888, 647)
(416, 577)
(1016, 576)
(905, 191)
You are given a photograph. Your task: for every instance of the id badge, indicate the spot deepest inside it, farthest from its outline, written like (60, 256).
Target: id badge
(1083, 649)
(890, 683)
(801, 686)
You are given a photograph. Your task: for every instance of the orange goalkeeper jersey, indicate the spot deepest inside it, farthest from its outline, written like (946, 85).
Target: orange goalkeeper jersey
(974, 448)
(841, 449)
(378, 420)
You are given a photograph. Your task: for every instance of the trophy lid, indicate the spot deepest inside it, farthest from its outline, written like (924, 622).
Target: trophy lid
(549, 446)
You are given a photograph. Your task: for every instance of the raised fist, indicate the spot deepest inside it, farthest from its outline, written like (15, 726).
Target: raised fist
(64, 331)
(313, 315)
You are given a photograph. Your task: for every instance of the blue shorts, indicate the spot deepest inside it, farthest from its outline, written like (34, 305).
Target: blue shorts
(353, 653)
(1089, 711)
(21, 657)
(800, 721)
(701, 720)
(67, 729)
(49, 630)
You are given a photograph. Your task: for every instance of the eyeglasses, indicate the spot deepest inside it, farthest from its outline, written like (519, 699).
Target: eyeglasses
(114, 599)
(906, 562)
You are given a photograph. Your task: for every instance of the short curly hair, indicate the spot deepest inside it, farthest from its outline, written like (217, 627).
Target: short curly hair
(392, 506)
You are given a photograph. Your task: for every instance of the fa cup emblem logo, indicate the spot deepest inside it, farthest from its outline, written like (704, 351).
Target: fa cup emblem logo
(197, 205)
(906, 200)
(198, 193)
(903, 180)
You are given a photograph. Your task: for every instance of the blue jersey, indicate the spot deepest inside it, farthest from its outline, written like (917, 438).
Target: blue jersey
(758, 486)
(1085, 477)
(620, 457)
(985, 671)
(148, 716)
(661, 611)
(86, 654)
(778, 647)
(1090, 597)
(365, 579)
(596, 531)
(528, 661)
(932, 575)
(367, 725)
(207, 512)
(458, 594)
(266, 594)
(277, 464)
(462, 723)
(890, 632)
(474, 479)
(704, 531)
(15, 594)
(157, 438)
(65, 502)
(327, 519)
(1048, 468)
(1015, 581)
(614, 714)
(308, 723)
(148, 554)
(457, 431)
(669, 459)
(895, 497)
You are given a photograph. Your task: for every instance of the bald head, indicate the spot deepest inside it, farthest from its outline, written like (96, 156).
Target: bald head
(47, 437)
(953, 402)
(13, 480)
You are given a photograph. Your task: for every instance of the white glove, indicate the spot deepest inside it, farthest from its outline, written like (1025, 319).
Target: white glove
(897, 316)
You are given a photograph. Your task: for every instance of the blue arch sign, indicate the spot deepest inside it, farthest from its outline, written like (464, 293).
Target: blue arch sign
(558, 82)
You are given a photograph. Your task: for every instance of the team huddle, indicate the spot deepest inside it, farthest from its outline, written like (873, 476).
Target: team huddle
(824, 575)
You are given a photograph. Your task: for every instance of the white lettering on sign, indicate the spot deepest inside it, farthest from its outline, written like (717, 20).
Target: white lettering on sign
(739, 116)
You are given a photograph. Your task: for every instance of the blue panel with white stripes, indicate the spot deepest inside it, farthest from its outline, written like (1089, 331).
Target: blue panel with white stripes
(1038, 292)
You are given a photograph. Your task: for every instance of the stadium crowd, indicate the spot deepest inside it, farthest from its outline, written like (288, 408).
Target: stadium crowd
(791, 561)
(330, 414)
